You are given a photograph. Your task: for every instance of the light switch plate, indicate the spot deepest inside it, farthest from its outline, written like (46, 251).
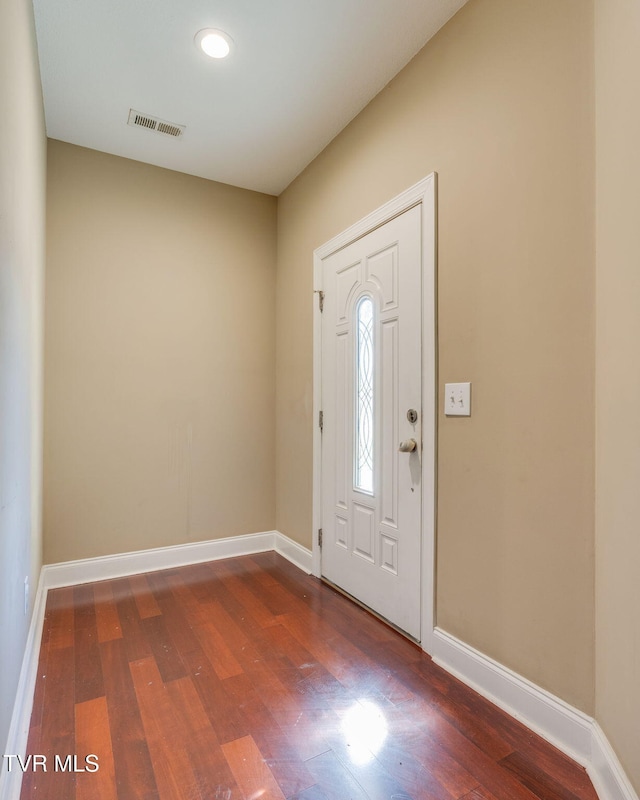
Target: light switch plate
(457, 399)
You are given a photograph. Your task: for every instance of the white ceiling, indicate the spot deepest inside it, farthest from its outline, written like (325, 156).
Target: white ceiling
(299, 72)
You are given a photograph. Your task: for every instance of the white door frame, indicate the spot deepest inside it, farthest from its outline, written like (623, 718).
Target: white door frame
(422, 194)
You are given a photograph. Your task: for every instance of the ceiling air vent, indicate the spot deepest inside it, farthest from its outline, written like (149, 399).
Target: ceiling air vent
(139, 120)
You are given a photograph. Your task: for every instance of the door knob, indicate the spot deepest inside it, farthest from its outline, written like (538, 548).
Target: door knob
(408, 446)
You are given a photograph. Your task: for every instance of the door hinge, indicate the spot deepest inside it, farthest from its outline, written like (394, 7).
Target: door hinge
(321, 301)
(320, 538)
(321, 421)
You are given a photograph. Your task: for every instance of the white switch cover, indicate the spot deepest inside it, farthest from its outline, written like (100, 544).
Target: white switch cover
(457, 399)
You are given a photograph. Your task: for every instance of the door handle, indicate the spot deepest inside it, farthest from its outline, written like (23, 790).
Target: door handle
(408, 446)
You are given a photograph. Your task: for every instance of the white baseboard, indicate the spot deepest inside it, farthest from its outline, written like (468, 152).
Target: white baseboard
(85, 570)
(559, 723)
(605, 770)
(570, 730)
(298, 555)
(101, 568)
(11, 782)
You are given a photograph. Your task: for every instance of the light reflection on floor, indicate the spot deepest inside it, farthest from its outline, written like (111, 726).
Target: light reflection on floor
(364, 728)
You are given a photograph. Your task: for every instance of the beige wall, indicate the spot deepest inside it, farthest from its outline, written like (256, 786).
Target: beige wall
(500, 104)
(22, 196)
(618, 378)
(159, 380)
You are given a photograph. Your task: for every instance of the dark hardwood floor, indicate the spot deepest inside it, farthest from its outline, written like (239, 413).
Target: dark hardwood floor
(246, 678)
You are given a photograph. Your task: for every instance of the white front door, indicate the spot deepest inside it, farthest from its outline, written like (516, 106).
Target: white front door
(371, 403)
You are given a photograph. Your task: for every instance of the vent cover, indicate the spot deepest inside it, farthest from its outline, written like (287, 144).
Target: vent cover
(139, 120)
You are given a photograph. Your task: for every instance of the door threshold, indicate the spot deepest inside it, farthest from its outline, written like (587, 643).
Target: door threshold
(368, 609)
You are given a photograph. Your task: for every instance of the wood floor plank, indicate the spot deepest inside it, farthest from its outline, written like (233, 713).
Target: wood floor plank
(181, 589)
(202, 581)
(317, 639)
(479, 794)
(210, 768)
(535, 778)
(93, 738)
(253, 711)
(165, 653)
(431, 708)
(275, 693)
(280, 599)
(377, 783)
(309, 732)
(471, 705)
(107, 619)
(336, 782)
(35, 728)
(288, 769)
(215, 646)
(554, 763)
(34, 740)
(57, 730)
(409, 773)
(331, 692)
(402, 733)
(175, 616)
(244, 589)
(241, 678)
(89, 683)
(145, 601)
(226, 718)
(484, 769)
(136, 643)
(352, 667)
(285, 643)
(245, 639)
(252, 775)
(60, 618)
(312, 793)
(201, 618)
(135, 779)
(167, 748)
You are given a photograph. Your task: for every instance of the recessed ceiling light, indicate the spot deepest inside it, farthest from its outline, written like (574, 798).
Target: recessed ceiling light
(216, 44)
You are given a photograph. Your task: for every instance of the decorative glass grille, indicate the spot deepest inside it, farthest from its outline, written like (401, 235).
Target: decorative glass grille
(364, 396)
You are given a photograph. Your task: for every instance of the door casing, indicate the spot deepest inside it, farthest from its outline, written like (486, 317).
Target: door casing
(422, 194)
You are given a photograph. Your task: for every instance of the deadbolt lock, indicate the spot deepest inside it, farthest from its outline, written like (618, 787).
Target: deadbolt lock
(412, 416)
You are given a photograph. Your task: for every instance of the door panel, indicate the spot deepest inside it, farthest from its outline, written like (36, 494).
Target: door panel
(371, 376)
